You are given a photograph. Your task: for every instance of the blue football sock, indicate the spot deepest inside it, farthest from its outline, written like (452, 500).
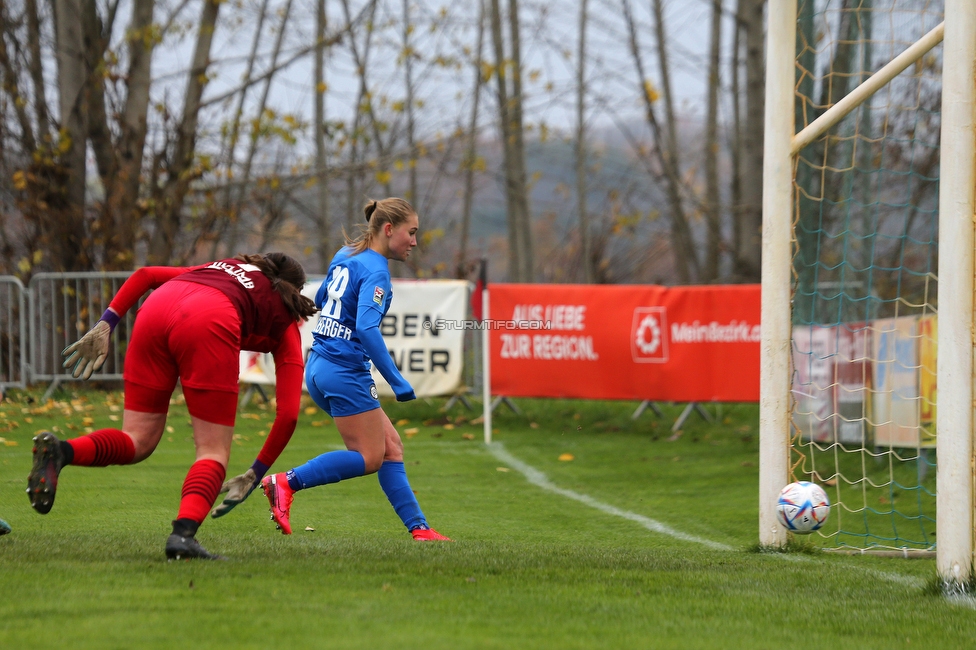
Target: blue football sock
(393, 480)
(332, 467)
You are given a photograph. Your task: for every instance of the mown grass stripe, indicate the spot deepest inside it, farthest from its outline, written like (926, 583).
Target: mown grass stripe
(539, 479)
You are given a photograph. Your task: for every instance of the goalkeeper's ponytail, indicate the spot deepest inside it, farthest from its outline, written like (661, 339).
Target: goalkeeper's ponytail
(288, 278)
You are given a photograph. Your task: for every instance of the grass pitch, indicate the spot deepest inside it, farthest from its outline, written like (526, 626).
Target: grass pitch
(549, 553)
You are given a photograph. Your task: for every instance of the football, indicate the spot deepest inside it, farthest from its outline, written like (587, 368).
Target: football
(803, 507)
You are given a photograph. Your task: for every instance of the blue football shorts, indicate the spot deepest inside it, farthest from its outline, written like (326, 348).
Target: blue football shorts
(339, 390)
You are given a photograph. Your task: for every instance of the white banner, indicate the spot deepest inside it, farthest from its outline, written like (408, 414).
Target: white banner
(430, 359)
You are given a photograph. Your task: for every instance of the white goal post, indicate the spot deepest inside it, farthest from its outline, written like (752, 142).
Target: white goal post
(957, 210)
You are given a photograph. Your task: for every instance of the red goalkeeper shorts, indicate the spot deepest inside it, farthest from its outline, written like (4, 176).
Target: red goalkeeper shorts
(190, 332)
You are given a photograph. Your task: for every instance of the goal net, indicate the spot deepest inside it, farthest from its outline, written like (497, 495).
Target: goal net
(864, 267)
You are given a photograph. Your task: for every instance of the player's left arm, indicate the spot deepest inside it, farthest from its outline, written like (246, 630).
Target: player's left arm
(87, 355)
(369, 314)
(289, 369)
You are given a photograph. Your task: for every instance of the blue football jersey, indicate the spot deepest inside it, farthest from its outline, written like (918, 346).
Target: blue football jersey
(353, 283)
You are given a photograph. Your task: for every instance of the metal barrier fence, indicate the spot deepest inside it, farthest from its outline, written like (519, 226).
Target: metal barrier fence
(13, 333)
(56, 309)
(63, 307)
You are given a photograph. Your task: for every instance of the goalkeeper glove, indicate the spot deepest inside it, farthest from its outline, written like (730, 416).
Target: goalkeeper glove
(237, 489)
(87, 355)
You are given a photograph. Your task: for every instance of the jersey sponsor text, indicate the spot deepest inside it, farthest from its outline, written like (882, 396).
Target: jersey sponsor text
(236, 270)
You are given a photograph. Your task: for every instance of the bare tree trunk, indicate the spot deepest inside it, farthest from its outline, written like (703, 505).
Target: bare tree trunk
(514, 250)
(686, 256)
(99, 133)
(230, 208)
(169, 217)
(122, 190)
(735, 180)
(470, 154)
(364, 109)
(710, 272)
(365, 97)
(36, 69)
(63, 229)
(416, 260)
(680, 233)
(581, 206)
(748, 255)
(523, 213)
(12, 88)
(353, 200)
(408, 79)
(245, 180)
(321, 159)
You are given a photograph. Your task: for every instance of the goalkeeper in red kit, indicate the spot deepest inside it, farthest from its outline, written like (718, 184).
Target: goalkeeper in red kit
(192, 328)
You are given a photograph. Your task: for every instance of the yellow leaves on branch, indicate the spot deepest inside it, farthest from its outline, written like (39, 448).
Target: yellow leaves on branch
(149, 36)
(487, 70)
(270, 125)
(405, 53)
(543, 132)
(431, 236)
(477, 165)
(26, 264)
(650, 92)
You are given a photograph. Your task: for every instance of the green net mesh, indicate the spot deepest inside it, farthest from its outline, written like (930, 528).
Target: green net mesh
(865, 257)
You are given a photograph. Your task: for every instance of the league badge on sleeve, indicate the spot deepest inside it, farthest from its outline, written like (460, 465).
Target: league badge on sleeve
(378, 294)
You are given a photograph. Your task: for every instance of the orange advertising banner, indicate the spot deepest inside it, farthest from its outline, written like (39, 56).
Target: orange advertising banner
(631, 342)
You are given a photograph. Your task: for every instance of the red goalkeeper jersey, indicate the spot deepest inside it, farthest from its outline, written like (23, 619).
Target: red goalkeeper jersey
(266, 326)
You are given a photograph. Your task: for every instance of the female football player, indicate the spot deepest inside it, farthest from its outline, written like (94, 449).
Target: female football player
(192, 328)
(353, 299)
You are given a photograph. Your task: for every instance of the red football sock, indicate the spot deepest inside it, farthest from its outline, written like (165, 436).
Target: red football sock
(200, 489)
(103, 447)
